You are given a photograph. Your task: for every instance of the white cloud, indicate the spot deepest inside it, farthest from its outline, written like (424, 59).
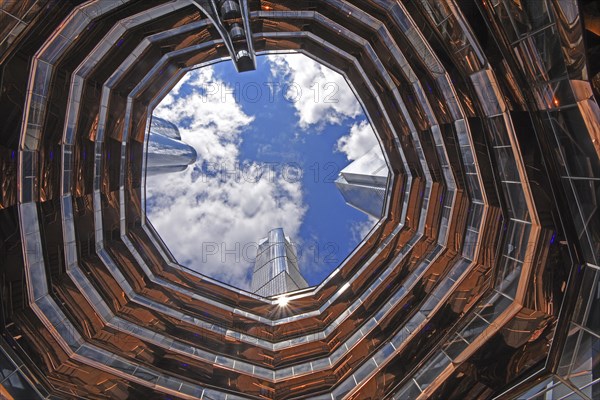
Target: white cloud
(360, 140)
(319, 95)
(210, 123)
(332, 103)
(211, 222)
(359, 229)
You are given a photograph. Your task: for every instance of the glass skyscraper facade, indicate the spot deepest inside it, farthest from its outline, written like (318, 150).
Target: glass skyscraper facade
(166, 152)
(479, 281)
(276, 268)
(363, 182)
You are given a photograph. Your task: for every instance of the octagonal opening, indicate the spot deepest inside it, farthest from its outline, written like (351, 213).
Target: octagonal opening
(265, 180)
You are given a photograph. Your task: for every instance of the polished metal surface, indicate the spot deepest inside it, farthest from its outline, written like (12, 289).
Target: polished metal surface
(480, 280)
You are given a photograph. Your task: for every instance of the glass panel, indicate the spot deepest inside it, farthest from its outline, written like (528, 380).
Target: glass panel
(573, 396)
(196, 391)
(383, 353)
(458, 270)
(431, 370)
(474, 188)
(319, 364)
(549, 52)
(586, 364)
(588, 196)
(592, 321)
(145, 374)
(455, 346)
(558, 392)
(474, 329)
(575, 143)
(593, 391)
(517, 240)
(531, 393)
(488, 92)
(515, 201)
(506, 164)
(409, 392)
(508, 276)
(365, 370)
(498, 131)
(567, 356)
(18, 387)
(587, 293)
(6, 366)
(346, 386)
(169, 382)
(490, 310)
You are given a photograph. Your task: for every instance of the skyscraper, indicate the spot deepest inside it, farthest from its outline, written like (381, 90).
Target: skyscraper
(480, 281)
(276, 268)
(166, 152)
(363, 182)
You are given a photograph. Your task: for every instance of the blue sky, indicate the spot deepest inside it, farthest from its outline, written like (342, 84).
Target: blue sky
(270, 142)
